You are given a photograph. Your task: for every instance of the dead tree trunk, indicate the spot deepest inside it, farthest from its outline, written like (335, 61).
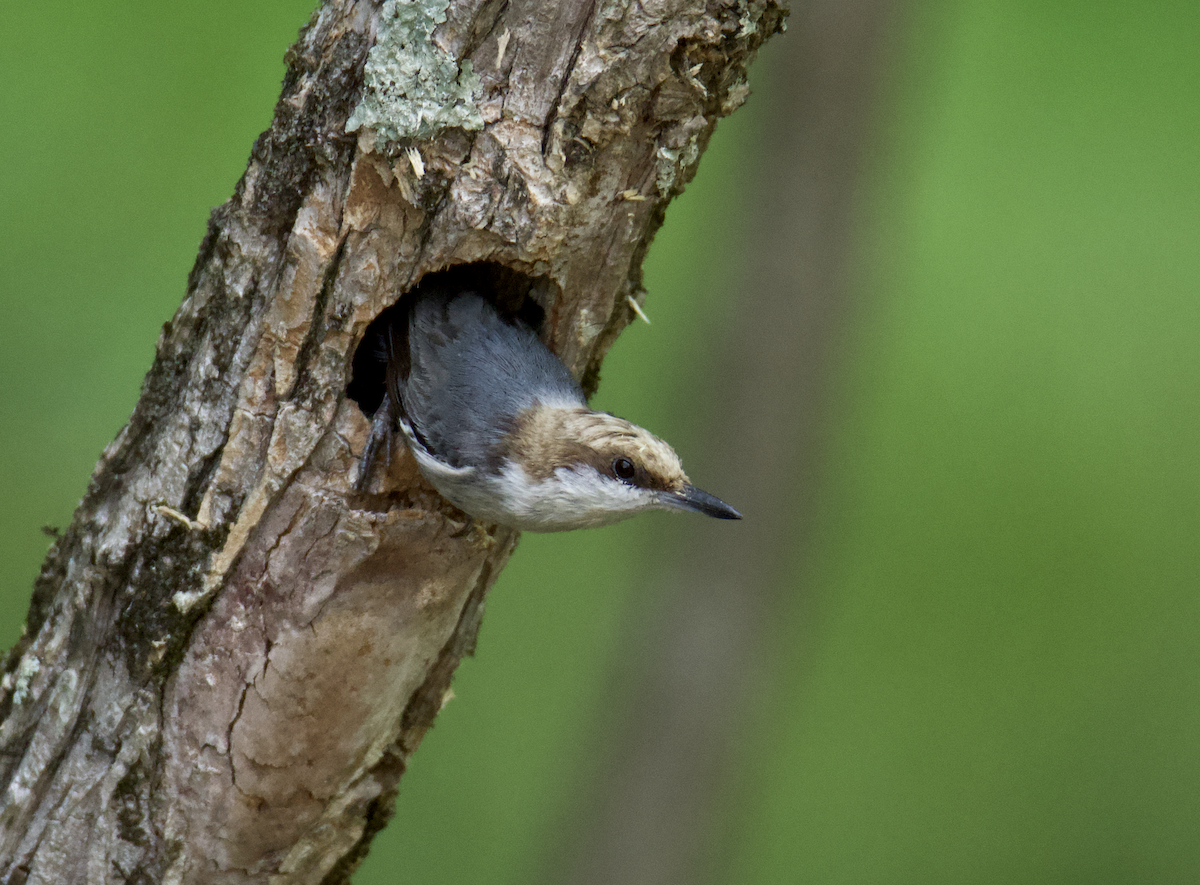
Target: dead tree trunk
(230, 655)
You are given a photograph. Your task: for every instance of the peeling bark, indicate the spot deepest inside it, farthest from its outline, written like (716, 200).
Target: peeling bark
(231, 655)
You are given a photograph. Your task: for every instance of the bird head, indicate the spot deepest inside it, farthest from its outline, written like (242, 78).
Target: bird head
(571, 467)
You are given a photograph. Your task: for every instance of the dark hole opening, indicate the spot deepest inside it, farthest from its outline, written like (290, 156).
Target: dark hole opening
(516, 295)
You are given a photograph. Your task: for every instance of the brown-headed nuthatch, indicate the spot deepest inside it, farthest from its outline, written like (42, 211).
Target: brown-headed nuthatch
(500, 428)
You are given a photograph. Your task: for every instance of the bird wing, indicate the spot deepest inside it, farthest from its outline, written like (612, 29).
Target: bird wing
(470, 374)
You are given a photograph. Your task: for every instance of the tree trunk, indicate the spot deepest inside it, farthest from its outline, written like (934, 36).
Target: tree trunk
(694, 668)
(230, 655)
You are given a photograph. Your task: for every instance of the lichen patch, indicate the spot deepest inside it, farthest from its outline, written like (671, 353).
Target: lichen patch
(413, 87)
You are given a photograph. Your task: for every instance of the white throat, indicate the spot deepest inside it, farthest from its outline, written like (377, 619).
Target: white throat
(569, 499)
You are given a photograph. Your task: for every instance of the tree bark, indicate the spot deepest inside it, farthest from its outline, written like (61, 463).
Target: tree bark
(230, 655)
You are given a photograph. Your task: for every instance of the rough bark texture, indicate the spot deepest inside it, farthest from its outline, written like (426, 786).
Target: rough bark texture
(230, 656)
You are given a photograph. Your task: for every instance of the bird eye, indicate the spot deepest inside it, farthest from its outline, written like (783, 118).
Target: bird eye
(623, 468)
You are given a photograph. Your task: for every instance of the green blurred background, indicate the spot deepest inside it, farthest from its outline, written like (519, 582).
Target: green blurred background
(993, 671)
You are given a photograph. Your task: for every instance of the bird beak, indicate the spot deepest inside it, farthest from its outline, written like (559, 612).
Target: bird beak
(699, 501)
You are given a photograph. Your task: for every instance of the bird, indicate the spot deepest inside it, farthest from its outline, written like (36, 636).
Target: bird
(501, 429)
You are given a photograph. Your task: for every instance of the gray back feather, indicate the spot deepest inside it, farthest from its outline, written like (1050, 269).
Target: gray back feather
(470, 373)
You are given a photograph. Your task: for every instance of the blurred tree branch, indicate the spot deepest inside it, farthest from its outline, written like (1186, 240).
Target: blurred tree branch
(230, 655)
(689, 675)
